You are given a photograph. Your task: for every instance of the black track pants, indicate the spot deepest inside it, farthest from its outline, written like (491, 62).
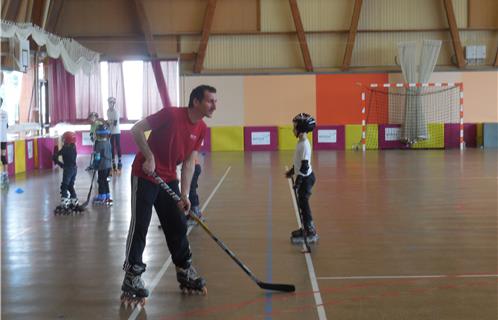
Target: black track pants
(144, 195)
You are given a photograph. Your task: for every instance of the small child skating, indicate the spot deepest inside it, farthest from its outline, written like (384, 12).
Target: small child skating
(303, 176)
(4, 124)
(113, 118)
(93, 117)
(69, 201)
(102, 162)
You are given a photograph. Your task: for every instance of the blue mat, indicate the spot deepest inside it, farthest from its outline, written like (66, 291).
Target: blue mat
(490, 133)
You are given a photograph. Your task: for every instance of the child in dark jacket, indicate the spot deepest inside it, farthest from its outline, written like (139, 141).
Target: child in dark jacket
(102, 161)
(69, 201)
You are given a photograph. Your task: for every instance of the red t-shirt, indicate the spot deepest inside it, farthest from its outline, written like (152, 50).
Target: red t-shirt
(172, 139)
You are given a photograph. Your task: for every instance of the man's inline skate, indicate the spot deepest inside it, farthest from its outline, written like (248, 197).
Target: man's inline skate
(133, 288)
(190, 282)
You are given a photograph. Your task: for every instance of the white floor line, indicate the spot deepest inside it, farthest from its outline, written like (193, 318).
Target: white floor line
(309, 263)
(411, 277)
(20, 233)
(153, 284)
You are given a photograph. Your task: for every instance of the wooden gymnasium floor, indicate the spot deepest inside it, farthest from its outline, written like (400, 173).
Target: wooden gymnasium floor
(404, 235)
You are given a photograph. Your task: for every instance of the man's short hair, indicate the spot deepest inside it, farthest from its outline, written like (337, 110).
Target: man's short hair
(198, 93)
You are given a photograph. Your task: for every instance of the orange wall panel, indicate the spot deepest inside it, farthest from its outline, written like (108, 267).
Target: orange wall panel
(275, 100)
(339, 97)
(480, 99)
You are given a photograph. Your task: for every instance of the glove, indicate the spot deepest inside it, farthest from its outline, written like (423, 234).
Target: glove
(298, 182)
(55, 158)
(289, 173)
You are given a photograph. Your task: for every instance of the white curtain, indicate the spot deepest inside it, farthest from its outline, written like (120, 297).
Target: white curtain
(74, 56)
(415, 124)
(428, 59)
(407, 52)
(88, 93)
(116, 87)
(151, 98)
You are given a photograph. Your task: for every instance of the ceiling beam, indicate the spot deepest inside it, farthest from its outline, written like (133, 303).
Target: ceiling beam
(258, 15)
(21, 11)
(5, 9)
(37, 13)
(54, 12)
(29, 11)
(206, 30)
(296, 16)
(145, 26)
(455, 37)
(46, 7)
(346, 62)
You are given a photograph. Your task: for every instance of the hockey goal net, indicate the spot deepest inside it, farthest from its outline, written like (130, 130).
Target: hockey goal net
(410, 115)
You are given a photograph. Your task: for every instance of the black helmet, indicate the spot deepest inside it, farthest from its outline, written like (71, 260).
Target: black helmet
(304, 122)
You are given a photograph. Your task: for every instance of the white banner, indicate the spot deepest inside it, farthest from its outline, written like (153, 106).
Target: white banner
(85, 137)
(392, 134)
(327, 136)
(260, 138)
(30, 149)
(10, 153)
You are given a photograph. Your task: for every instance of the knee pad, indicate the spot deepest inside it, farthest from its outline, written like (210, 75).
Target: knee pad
(4, 160)
(197, 169)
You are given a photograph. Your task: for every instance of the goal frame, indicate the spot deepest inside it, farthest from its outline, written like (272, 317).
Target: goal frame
(409, 85)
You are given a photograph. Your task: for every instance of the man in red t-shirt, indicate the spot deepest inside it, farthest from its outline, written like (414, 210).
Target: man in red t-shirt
(176, 136)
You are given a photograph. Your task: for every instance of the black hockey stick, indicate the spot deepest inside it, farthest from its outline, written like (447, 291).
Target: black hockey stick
(261, 284)
(305, 232)
(85, 204)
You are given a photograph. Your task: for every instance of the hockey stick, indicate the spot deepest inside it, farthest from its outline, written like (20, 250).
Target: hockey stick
(261, 284)
(85, 204)
(305, 232)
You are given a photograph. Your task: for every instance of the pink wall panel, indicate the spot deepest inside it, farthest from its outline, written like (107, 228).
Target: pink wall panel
(30, 162)
(248, 141)
(45, 152)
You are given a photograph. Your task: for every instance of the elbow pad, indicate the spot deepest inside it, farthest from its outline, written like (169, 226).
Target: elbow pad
(304, 167)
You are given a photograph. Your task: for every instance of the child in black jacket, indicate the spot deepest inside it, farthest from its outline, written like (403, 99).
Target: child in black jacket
(69, 201)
